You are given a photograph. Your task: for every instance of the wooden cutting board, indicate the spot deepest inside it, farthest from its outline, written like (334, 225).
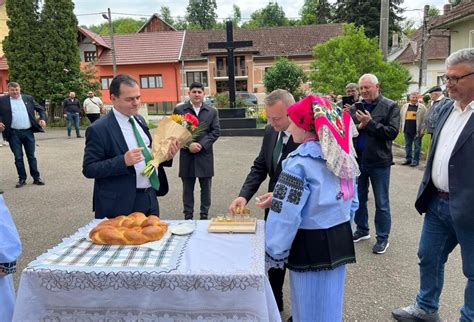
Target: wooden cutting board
(232, 225)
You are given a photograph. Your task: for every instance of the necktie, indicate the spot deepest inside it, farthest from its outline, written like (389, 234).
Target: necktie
(155, 182)
(277, 150)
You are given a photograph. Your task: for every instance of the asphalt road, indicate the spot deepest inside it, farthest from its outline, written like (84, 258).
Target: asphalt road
(374, 286)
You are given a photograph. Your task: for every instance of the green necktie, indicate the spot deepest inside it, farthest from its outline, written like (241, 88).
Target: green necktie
(277, 150)
(155, 182)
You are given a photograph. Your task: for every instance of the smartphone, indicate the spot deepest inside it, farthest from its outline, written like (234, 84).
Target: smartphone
(359, 106)
(348, 100)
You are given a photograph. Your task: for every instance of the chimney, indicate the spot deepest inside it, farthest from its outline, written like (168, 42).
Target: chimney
(447, 8)
(395, 42)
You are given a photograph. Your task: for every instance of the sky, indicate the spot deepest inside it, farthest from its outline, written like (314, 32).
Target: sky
(89, 11)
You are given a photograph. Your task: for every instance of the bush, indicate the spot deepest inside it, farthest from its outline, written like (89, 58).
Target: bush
(222, 101)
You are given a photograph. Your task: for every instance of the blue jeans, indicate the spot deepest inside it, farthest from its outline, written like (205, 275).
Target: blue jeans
(411, 140)
(18, 140)
(72, 117)
(439, 237)
(380, 180)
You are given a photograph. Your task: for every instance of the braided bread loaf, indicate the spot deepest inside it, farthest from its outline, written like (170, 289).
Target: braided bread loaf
(134, 229)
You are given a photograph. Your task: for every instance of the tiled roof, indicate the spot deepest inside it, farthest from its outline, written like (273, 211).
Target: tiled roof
(437, 48)
(267, 42)
(97, 39)
(144, 48)
(463, 11)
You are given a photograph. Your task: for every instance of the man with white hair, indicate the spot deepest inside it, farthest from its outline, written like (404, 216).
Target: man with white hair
(445, 195)
(378, 120)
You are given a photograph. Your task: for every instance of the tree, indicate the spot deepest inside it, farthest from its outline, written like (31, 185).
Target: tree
(236, 15)
(344, 59)
(22, 46)
(285, 75)
(315, 12)
(201, 14)
(408, 27)
(367, 14)
(433, 11)
(165, 14)
(120, 25)
(270, 16)
(61, 60)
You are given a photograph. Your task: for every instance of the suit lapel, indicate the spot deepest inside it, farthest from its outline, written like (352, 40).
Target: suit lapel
(143, 126)
(116, 132)
(465, 134)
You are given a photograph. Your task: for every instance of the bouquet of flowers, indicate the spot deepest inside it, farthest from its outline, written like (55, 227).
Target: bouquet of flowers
(183, 128)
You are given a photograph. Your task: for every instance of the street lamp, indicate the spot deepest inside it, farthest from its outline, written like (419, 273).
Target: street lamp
(111, 31)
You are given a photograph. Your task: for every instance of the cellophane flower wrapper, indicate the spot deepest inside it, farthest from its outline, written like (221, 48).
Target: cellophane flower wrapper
(164, 135)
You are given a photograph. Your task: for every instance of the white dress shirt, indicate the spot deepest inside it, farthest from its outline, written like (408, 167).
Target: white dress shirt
(129, 136)
(448, 138)
(197, 109)
(20, 118)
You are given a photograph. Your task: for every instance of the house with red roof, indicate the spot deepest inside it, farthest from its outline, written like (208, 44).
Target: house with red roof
(151, 58)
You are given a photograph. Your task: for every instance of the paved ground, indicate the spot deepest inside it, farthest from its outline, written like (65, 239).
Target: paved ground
(375, 285)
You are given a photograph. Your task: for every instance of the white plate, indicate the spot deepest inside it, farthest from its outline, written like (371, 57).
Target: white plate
(182, 229)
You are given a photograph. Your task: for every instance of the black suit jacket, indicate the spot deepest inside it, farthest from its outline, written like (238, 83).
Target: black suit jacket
(461, 176)
(115, 183)
(201, 164)
(263, 167)
(31, 107)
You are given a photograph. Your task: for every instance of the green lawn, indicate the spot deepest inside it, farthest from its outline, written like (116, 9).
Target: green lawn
(425, 143)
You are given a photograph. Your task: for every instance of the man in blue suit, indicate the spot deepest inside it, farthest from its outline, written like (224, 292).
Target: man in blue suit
(114, 156)
(445, 195)
(18, 123)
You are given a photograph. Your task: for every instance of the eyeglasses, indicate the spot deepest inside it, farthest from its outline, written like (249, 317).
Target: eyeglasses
(453, 79)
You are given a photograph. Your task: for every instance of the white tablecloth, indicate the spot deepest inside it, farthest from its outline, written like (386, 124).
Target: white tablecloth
(218, 277)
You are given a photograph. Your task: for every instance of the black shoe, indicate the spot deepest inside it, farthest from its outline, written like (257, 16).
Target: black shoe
(380, 246)
(203, 217)
(38, 182)
(188, 217)
(406, 162)
(414, 164)
(79, 136)
(414, 313)
(20, 183)
(359, 235)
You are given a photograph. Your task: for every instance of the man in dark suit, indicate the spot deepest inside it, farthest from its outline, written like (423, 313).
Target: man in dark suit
(277, 144)
(445, 195)
(18, 123)
(115, 155)
(197, 161)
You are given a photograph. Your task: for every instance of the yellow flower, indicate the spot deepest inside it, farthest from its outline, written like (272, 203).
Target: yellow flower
(177, 118)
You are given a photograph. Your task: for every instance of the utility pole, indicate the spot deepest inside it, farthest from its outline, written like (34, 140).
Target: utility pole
(384, 14)
(111, 32)
(424, 42)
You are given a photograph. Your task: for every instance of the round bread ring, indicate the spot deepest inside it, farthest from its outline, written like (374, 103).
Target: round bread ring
(134, 229)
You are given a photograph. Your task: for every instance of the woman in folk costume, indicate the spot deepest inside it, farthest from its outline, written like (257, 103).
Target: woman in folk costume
(308, 228)
(10, 249)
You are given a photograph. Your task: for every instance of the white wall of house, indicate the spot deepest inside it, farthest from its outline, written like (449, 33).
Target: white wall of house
(435, 69)
(462, 35)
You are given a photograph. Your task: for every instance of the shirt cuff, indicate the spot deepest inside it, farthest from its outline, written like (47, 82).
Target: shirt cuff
(8, 268)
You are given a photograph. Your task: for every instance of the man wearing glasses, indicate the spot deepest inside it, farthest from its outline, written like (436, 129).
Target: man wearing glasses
(93, 107)
(445, 196)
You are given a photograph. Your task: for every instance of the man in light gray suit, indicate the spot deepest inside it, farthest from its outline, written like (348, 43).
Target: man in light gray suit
(446, 194)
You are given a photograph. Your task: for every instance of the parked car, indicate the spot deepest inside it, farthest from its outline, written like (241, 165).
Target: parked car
(247, 98)
(210, 100)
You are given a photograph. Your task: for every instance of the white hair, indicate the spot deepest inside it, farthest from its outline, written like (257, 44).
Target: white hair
(371, 77)
(462, 56)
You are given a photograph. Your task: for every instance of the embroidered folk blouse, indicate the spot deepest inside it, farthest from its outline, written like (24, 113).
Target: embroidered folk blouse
(306, 196)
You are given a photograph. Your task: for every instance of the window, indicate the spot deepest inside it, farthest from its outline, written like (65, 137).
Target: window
(105, 82)
(151, 81)
(90, 55)
(200, 77)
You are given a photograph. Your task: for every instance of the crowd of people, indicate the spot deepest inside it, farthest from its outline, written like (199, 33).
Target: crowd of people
(320, 158)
